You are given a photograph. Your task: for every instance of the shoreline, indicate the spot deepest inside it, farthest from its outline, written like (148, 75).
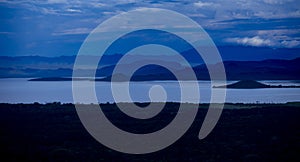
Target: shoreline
(226, 105)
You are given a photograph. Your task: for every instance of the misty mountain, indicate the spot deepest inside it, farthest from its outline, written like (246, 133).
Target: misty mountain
(284, 66)
(228, 53)
(235, 70)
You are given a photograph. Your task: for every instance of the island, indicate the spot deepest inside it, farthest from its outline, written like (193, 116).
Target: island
(252, 84)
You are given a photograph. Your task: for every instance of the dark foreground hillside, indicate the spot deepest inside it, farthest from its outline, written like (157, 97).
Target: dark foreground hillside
(53, 132)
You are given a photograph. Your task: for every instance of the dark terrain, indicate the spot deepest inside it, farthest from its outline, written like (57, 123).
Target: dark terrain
(245, 132)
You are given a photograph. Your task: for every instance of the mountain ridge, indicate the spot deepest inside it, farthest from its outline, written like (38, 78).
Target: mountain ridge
(273, 69)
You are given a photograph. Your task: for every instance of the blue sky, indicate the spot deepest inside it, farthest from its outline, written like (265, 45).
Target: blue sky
(58, 27)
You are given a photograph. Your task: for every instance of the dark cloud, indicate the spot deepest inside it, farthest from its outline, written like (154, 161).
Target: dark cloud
(29, 25)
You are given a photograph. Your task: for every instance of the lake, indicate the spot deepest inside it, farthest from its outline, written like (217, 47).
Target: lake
(19, 90)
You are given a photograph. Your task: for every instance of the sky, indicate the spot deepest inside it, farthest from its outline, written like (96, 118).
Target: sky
(59, 27)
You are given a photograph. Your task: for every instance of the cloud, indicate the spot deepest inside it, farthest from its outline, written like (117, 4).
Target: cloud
(277, 15)
(6, 33)
(286, 38)
(98, 5)
(279, 40)
(73, 10)
(269, 23)
(275, 2)
(48, 11)
(199, 15)
(254, 41)
(74, 31)
(278, 32)
(201, 4)
(213, 10)
(56, 1)
(291, 43)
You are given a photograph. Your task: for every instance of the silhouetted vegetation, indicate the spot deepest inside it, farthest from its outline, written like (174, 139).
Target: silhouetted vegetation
(245, 132)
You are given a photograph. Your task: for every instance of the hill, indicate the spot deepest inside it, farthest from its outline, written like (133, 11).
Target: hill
(252, 84)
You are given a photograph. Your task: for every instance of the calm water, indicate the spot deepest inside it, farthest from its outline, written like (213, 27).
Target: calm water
(23, 91)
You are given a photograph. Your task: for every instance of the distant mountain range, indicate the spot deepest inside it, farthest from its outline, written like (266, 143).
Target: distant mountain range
(228, 53)
(285, 66)
(235, 70)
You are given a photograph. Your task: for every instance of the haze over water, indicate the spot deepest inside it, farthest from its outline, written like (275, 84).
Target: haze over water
(23, 91)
